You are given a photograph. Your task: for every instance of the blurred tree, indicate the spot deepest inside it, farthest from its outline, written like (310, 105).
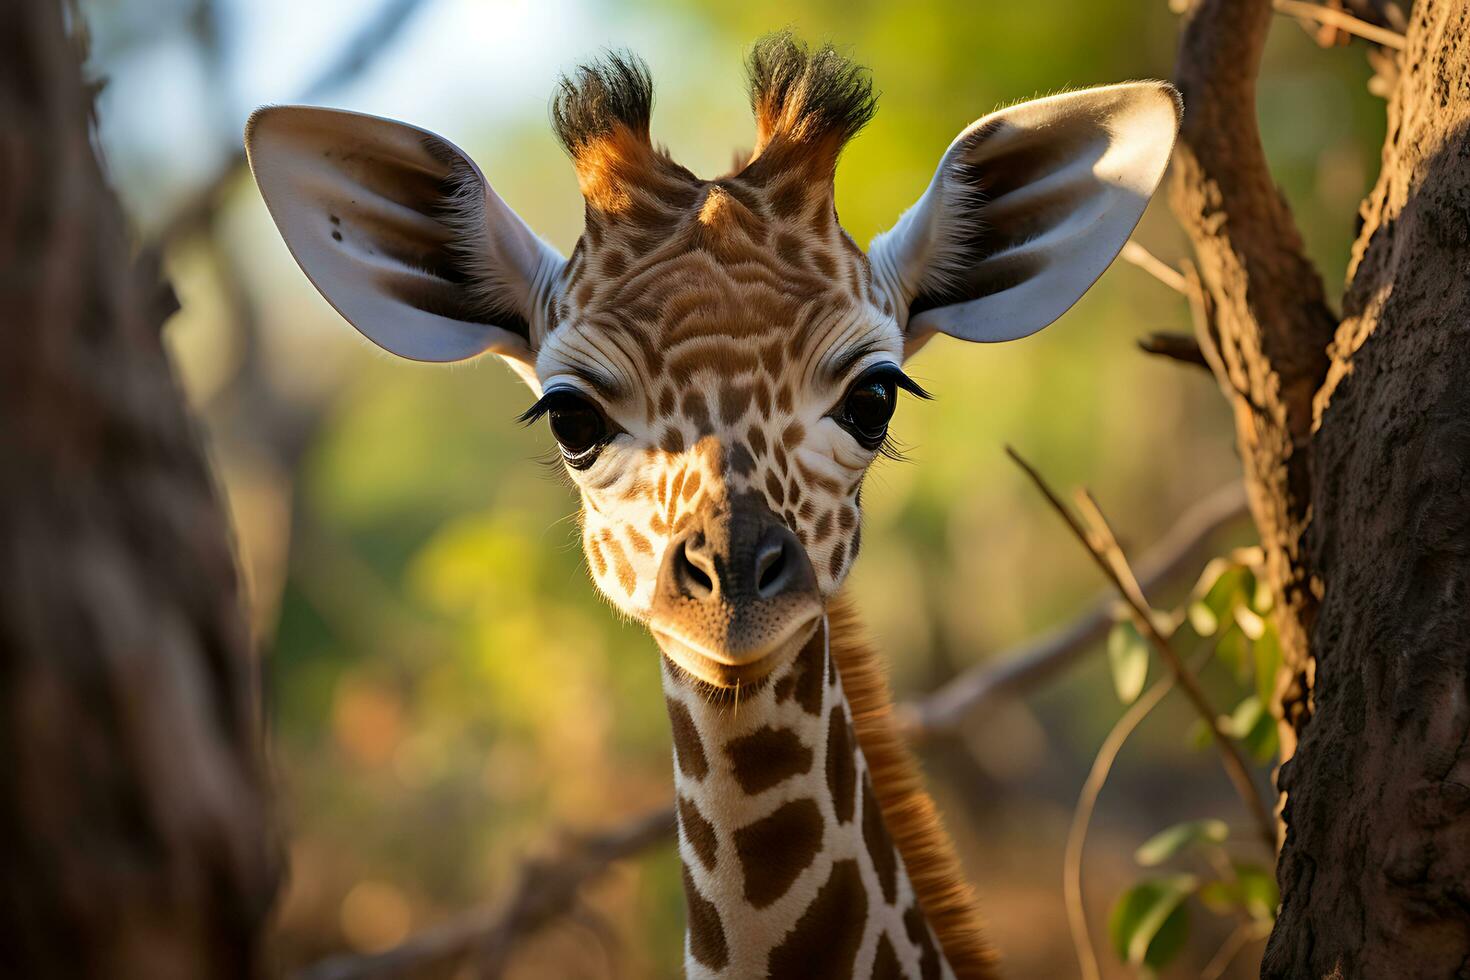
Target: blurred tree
(133, 807)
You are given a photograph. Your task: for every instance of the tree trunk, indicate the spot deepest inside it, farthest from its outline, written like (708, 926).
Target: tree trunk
(1376, 870)
(1359, 471)
(134, 830)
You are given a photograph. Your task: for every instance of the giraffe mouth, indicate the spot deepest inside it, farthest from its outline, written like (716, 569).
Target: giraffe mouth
(723, 669)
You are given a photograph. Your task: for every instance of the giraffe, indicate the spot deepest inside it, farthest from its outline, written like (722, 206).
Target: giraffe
(719, 363)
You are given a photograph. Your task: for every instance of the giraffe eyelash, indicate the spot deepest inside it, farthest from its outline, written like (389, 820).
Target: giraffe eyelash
(890, 449)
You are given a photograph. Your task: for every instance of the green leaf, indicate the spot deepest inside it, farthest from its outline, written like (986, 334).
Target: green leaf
(1243, 718)
(1199, 736)
(1169, 842)
(1128, 661)
(1220, 897)
(1259, 894)
(1252, 891)
(1233, 649)
(1227, 590)
(1250, 624)
(1203, 619)
(1262, 601)
(1149, 922)
(1255, 727)
(1210, 574)
(1264, 740)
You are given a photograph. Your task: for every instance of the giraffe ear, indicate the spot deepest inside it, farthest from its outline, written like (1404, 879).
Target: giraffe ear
(401, 233)
(1028, 207)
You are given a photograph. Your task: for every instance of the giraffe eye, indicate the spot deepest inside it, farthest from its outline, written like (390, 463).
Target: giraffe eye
(869, 406)
(577, 423)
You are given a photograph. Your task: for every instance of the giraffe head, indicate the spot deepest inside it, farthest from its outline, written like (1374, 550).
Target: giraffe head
(717, 359)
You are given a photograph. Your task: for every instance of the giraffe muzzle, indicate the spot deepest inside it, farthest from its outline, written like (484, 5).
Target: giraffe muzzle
(736, 595)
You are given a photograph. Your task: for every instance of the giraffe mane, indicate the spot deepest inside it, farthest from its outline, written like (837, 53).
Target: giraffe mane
(944, 895)
(807, 104)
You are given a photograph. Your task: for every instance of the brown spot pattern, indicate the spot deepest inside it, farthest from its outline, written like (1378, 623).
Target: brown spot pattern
(775, 850)
(918, 930)
(757, 440)
(782, 689)
(885, 961)
(823, 944)
(640, 543)
(687, 746)
(879, 844)
(706, 933)
(699, 832)
(841, 766)
(742, 463)
(808, 690)
(697, 411)
(766, 757)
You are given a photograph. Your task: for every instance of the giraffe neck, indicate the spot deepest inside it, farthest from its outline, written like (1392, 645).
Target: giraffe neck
(789, 868)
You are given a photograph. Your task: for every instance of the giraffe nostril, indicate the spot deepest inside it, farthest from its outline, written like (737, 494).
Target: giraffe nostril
(696, 581)
(769, 568)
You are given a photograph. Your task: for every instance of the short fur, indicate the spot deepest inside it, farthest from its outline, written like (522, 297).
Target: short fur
(944, 895)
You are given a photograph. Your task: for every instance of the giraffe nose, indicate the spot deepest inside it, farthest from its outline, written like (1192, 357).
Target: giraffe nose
(734, 590)
(699, 570)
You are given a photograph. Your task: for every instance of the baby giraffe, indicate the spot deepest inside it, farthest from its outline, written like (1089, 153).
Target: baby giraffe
(719, 363)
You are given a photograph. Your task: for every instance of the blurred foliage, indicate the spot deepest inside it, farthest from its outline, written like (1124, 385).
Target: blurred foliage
(446, 688)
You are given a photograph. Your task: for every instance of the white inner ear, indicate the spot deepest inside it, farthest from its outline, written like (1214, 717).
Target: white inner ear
(1026, 210)
(400, 232)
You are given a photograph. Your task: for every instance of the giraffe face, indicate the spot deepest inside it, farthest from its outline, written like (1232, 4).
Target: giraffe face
(717, 402)
(717, 358)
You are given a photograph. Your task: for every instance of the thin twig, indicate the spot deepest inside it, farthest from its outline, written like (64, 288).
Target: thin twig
(1341, 20)
(1238, 939)
(942, 712)
(1153, 265)
(1106, 558)
(1181, 347)
(1097, 776)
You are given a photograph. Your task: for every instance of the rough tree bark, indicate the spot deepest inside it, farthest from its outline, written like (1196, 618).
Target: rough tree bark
(1269, 326)
(1355, 437)
(134, 830)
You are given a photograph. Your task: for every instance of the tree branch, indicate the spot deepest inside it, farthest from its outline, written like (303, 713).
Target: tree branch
(942, 712)
(1104, 551)
(1339, 20)
(1181, 347)
(484, 939)
(1135, 254)
(1269, 320)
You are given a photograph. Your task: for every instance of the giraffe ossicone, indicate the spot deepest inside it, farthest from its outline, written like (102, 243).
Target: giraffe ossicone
(719, 362)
